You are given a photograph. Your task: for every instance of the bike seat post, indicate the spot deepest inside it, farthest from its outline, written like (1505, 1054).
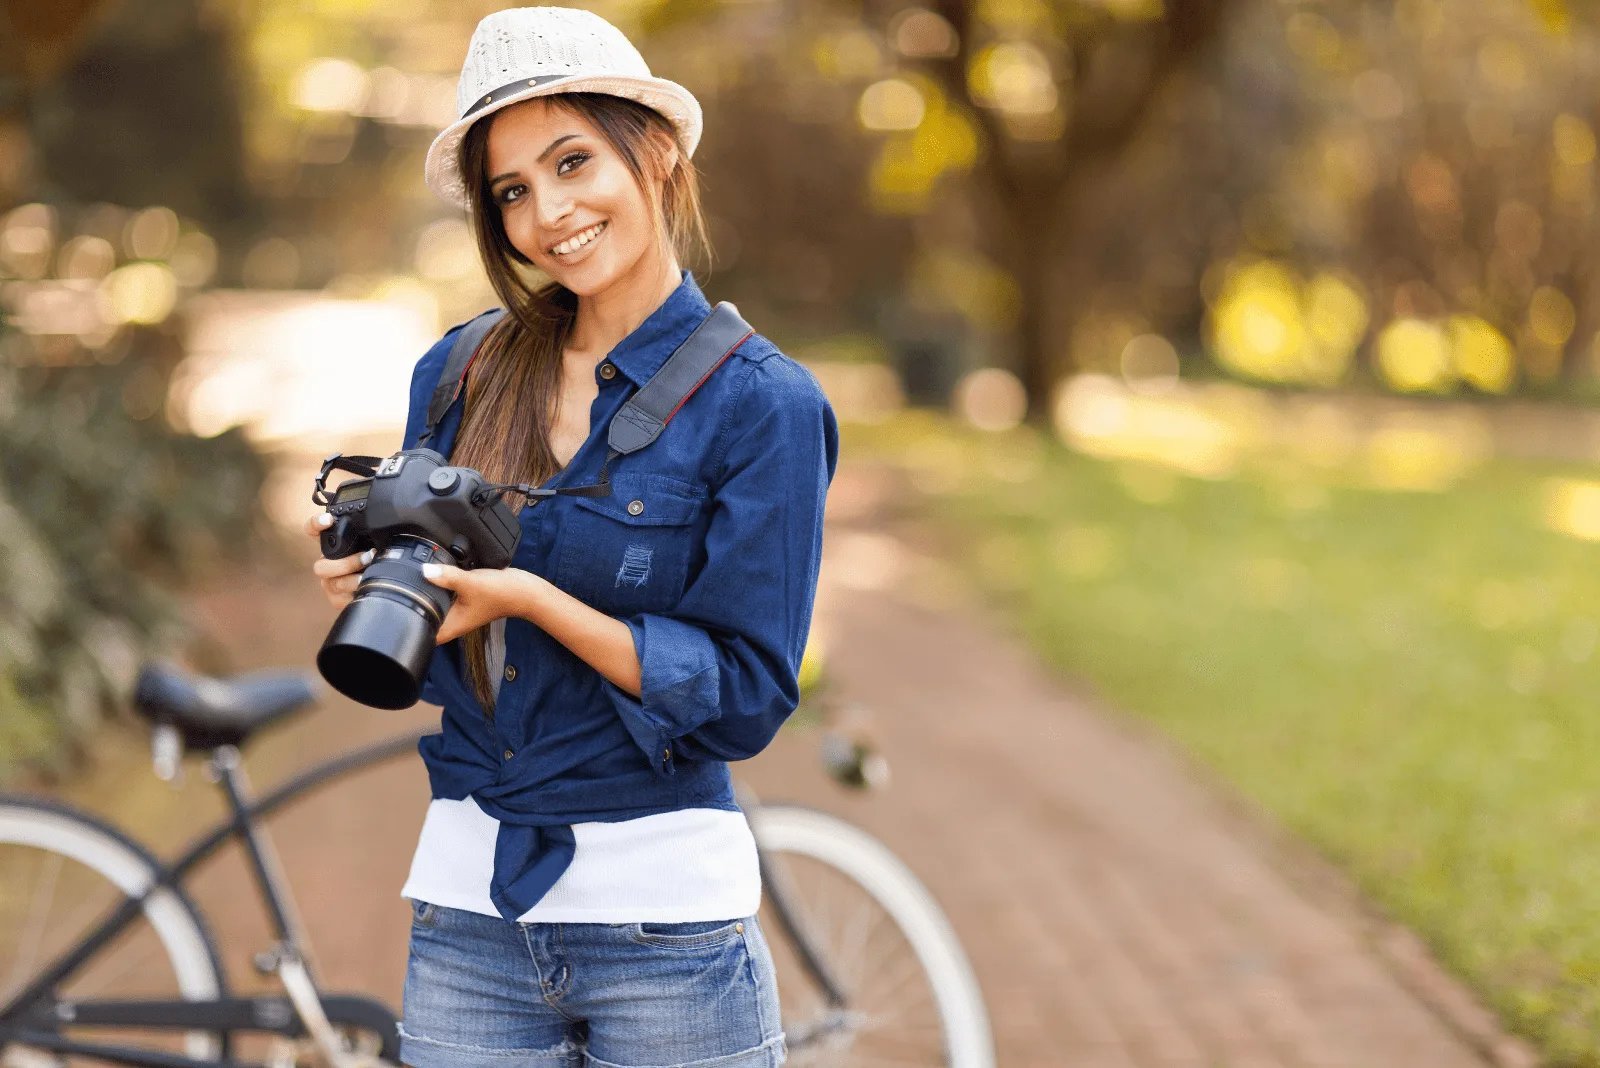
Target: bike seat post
(166, 753)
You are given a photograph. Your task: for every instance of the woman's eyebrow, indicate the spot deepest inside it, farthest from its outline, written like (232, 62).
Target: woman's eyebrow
(563, 139)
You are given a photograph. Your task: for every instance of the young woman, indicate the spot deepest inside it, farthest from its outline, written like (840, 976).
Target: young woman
(584, 889)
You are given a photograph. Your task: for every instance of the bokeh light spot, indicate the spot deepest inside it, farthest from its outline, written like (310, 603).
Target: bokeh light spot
(330, 84)
(143, 293)
(1482, 355)
(1414, 355)
(1149, 363)
(1551, 316)
(151, 234)
(891, 104)
(991, 398)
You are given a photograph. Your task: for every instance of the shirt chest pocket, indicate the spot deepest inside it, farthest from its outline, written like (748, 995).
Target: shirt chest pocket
(629, 552)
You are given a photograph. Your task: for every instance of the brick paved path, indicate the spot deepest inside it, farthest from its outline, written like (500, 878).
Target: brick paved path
(1119, 912)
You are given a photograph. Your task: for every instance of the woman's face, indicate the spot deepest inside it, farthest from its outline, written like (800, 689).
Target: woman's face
(568, 201)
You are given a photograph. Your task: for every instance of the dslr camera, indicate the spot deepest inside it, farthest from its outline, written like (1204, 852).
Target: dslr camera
(413, 508)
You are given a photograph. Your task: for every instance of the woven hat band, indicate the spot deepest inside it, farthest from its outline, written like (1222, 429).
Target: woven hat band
(510, 89)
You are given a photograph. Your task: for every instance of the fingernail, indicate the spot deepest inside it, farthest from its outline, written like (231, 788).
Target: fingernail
(366, 557)
(431, 571)
(325, 520)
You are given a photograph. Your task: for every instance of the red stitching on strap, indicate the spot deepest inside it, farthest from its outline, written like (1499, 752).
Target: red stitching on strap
(697, 385)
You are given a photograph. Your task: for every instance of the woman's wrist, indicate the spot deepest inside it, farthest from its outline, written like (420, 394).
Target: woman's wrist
(528, 596)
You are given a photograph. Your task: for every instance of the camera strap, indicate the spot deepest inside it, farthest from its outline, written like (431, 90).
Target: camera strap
(643, 416)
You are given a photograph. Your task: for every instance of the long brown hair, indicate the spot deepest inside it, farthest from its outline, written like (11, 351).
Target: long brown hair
(514, 391)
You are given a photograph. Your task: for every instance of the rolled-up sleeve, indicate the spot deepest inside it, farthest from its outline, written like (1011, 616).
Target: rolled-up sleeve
(720, 673)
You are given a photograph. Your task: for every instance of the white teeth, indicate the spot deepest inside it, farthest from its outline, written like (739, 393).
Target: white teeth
(578, 240)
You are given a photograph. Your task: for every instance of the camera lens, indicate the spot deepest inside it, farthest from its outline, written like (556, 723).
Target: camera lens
(378, 650)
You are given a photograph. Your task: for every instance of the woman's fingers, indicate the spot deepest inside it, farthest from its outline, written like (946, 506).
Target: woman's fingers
(443, 575)
(344, 565)
(341, 590)
(339, 577)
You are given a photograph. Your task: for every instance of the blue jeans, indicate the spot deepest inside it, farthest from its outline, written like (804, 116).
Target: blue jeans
(482, 992)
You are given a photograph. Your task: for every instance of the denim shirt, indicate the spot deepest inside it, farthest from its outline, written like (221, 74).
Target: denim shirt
(708, 549)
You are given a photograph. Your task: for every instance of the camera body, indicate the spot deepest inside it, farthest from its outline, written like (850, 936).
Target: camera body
(415, 494)
(414, 509)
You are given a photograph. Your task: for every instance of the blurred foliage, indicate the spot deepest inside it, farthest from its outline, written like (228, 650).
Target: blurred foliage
(105, 509)
(129, 103)
(1295, 192)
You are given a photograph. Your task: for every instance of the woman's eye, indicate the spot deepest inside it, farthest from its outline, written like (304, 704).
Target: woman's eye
(570, 160)
(511, 192)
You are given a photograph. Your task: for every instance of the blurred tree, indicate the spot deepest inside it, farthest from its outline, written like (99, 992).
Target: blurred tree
(144, 108)
(35, 40)
(1058, 90)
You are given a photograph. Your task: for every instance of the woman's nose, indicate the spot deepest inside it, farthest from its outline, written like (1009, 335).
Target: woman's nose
(553, 208)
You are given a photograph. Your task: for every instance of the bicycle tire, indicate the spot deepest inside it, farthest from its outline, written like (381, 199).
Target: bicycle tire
(55, 828)
(792, 830)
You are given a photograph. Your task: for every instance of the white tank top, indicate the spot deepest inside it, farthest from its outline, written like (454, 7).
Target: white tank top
(671, 867)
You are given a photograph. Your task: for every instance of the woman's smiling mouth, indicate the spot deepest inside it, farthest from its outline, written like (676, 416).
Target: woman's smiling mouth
(577, 241)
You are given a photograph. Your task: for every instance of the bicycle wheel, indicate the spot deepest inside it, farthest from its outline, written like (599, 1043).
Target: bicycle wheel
(61, 873)
(909, 996)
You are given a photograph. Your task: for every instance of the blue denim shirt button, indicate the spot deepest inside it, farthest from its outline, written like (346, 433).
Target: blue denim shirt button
(608, 371)
(509, 754)
(511, 673)
(635, 507)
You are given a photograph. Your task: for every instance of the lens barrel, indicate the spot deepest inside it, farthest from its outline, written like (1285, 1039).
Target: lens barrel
(379, 648)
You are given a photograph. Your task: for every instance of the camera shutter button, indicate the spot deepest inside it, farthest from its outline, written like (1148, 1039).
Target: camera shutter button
(443, 480)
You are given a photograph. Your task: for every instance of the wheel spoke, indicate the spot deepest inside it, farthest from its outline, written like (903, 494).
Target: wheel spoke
(39, 906)
(856, 941)
(131, 954)
(51, 904)
(860, 902)
(904, 979)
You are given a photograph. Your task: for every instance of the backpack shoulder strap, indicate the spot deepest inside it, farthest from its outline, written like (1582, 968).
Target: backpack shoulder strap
(462, 352)
(647, 412)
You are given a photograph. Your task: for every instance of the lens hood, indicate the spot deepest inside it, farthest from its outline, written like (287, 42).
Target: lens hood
(378, 650)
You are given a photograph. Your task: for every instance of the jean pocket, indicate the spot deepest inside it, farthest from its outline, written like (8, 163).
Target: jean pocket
(694, 934)
(424, 913)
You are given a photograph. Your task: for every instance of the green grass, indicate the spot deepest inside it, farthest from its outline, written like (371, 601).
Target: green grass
(1408, 680)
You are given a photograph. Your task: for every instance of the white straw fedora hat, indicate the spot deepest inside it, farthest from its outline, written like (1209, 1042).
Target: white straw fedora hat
(524, 52)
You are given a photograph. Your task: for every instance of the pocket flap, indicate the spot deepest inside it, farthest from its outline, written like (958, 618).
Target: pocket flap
(645, 500)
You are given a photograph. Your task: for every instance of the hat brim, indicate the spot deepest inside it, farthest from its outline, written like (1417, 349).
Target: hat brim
(672, 100)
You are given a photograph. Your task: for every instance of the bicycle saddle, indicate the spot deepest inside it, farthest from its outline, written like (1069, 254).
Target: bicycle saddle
(211, 712)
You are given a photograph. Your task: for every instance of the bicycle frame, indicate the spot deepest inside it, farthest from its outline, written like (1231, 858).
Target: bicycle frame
(29, 1018)
(36, 1006)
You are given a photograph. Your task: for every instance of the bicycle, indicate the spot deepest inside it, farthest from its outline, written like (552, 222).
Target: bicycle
(870, 970)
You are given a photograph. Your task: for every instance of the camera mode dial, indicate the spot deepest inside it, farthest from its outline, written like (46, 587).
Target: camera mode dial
(444, 480)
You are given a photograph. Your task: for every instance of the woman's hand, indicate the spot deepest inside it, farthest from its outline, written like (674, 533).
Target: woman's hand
(339, 577)
(482, 596)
